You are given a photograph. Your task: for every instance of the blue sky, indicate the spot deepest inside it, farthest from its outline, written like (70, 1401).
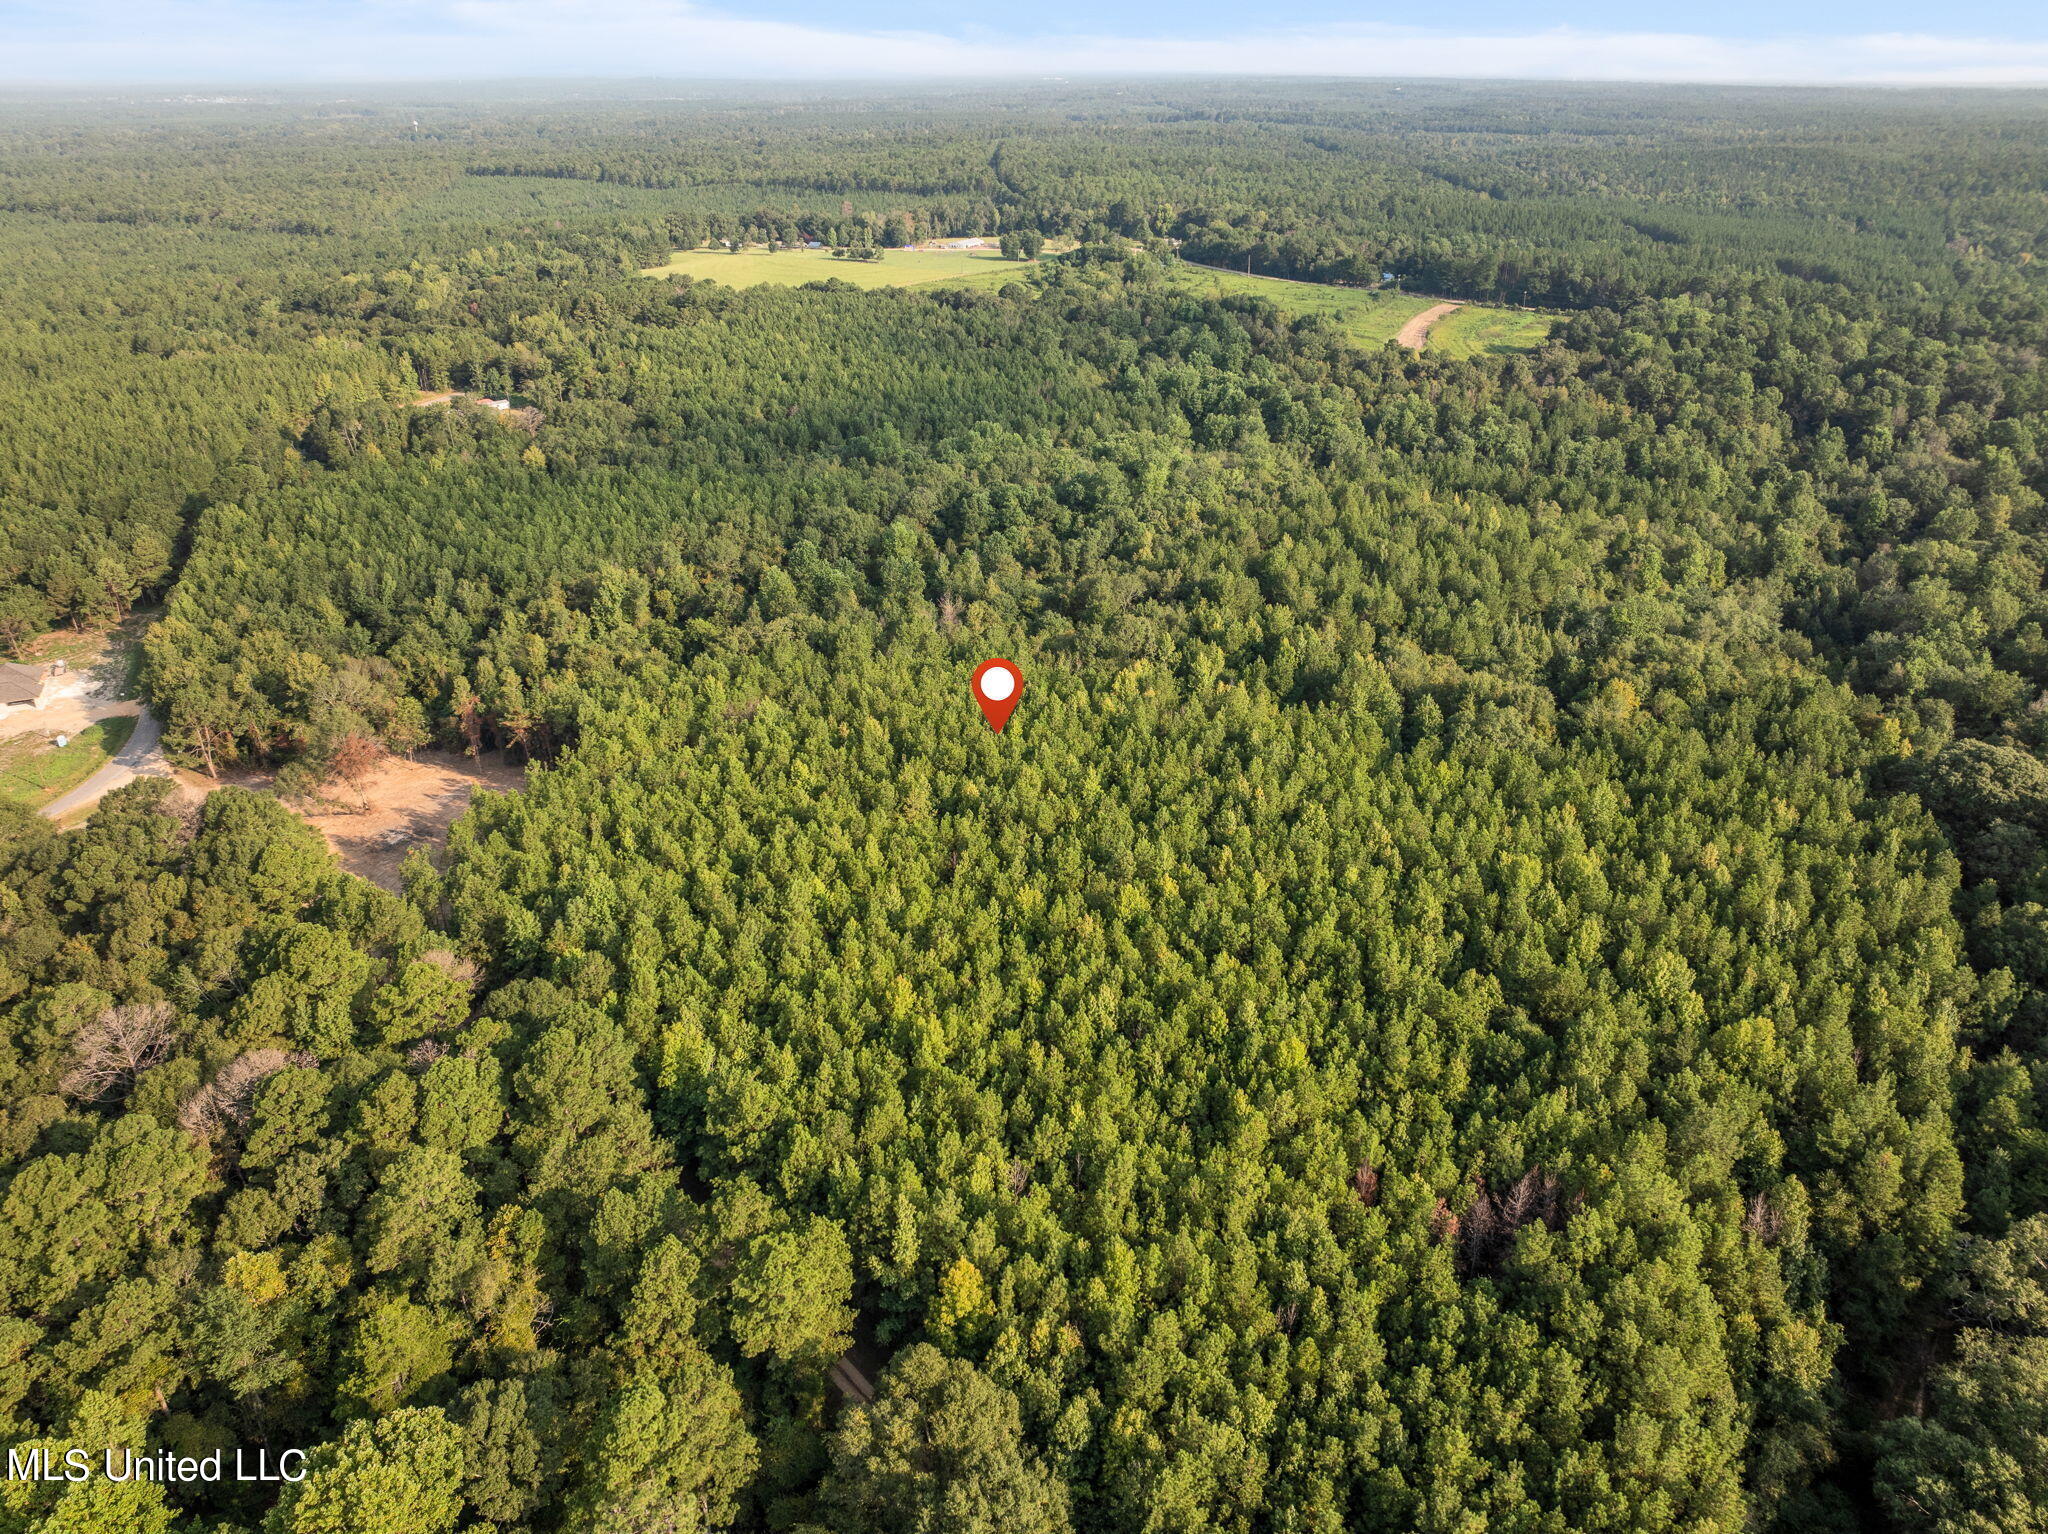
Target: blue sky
(254, 41)
(1741, 18)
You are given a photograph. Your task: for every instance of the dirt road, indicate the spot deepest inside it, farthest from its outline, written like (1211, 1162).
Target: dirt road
(63, 716)
(1416, 331)
(138, 758)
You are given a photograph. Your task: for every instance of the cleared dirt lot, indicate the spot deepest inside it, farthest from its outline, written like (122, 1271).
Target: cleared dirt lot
(410, 804)
(63, 716)
(97, 685)
(96, 689)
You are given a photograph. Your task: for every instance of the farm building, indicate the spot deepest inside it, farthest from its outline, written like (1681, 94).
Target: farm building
(23, 686)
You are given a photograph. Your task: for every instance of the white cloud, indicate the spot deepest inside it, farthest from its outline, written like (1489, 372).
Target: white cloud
(445, 39)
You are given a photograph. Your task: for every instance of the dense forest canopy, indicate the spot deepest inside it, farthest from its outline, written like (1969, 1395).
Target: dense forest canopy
(1493, 983)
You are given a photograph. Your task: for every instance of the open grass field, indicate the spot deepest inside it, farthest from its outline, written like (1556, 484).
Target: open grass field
(1373, 316)
(1475, 328)
(33, 772)
(792, 268)
(1370, 316)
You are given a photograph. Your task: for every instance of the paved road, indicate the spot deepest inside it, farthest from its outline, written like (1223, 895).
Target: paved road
(140, 757)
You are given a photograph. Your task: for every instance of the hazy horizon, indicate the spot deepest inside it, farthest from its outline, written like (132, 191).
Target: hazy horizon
(253, 43)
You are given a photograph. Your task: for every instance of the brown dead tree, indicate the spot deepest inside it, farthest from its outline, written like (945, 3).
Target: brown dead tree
(110, 1053)
(354, 758)
(1486, 1233)
(1763, 1221)
(1365, 1182)
(229, 1097)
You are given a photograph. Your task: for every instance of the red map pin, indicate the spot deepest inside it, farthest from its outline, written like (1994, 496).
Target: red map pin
(997, 685)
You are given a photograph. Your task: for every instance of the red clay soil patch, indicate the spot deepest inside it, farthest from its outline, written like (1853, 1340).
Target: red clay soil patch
(411, 804)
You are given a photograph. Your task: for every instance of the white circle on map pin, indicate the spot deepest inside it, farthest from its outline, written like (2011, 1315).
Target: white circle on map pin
(997, 683)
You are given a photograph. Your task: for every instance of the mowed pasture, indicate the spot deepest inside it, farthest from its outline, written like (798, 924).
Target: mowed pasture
(1370, 316)
(753, 267)
(1374, 316)
(1476, 329)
